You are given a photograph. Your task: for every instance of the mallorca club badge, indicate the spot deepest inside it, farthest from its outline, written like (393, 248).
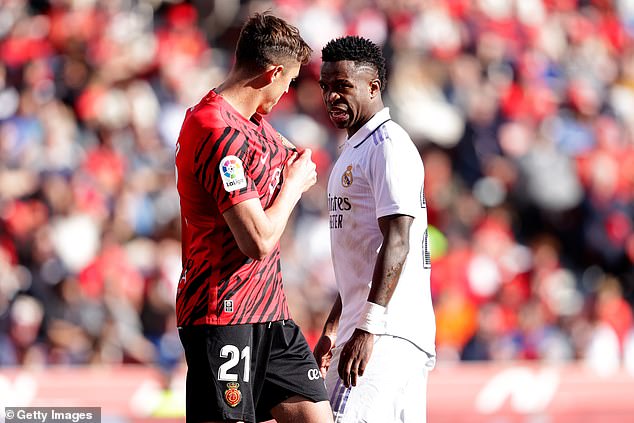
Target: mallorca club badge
(346, 178)
(233, 396)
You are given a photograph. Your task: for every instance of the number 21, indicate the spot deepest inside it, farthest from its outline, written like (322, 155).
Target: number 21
(234, 355)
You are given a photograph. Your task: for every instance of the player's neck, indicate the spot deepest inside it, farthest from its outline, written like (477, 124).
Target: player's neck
(239, 93)
(372, 110)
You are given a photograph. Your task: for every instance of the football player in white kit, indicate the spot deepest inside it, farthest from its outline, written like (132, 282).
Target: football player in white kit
(378, 343)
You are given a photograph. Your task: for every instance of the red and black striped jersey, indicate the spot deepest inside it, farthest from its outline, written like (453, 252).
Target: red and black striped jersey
(223, 159)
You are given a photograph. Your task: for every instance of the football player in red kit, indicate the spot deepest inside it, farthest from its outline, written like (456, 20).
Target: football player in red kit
(238, 181)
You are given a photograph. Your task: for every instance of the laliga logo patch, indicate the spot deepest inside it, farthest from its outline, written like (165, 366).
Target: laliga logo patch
(346, 178)
(233, 396)
(232, 173)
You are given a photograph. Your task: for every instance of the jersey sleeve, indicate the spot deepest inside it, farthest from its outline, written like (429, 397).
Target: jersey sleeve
(396, 177)
(220, 166)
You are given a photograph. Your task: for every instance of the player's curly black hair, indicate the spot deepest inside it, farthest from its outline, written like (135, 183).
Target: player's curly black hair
(357, 49)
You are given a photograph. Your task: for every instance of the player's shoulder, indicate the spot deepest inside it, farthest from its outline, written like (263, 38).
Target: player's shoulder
(210, 113)
(396, 132)
(390, 135)
(391, 141)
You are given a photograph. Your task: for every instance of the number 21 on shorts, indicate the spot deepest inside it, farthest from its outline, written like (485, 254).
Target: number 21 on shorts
(233, 353)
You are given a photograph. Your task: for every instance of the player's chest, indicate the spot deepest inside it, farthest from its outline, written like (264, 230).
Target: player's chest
(348, 175)
(265, 161)
(349, 192)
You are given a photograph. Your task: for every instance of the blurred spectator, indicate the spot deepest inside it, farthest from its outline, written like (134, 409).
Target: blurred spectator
(21, 345)
(522, 112)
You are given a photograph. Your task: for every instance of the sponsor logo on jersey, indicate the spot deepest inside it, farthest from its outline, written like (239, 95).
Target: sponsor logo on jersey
(346, 178)
(233, 396)
(338, 203)
(335, 205)
(232, 173)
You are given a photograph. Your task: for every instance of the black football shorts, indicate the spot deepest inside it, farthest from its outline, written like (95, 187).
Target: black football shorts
(240, 372)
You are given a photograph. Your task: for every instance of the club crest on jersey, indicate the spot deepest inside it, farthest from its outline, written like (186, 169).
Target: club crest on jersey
(346, 178)
(232, 173)
(233, 396)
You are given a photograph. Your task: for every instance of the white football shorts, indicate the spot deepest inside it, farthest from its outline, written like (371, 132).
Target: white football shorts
(393, 387)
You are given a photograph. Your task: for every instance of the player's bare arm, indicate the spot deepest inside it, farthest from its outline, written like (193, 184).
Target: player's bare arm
(357, 351)
(389, 263)
(257, 230)
(323, 348)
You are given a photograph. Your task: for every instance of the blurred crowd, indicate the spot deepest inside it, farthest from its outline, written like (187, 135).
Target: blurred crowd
(523, 112)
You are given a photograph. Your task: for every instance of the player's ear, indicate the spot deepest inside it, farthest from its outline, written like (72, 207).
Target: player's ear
(273, 72)
(374, 88)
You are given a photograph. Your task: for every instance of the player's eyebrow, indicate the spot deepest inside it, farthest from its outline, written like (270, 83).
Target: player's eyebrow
(337, 81)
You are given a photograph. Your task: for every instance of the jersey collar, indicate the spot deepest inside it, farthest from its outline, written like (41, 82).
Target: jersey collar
(370, 126)
(256, 119)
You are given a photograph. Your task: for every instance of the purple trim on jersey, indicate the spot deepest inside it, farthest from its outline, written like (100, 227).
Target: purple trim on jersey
(371, 133)
(334, 392)
(384, 134)
(381, 135)
(342, 398)
(342, 406)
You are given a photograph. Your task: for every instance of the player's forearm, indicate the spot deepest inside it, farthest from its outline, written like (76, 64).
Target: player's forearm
(297, 180)
(279, 213)
(257, 231)
(332, 322)
(386, 273)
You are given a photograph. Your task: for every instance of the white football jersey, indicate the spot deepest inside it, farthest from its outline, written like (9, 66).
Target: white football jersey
(379, 173)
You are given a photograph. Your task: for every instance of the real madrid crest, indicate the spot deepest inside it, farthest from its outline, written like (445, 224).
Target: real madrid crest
(233, 396)
(346, 178)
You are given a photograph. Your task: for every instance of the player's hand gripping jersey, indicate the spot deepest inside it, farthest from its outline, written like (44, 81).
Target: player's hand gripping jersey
(223, 159)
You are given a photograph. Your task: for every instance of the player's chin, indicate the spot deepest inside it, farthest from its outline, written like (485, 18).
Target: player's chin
(265, 109)
(339, 123)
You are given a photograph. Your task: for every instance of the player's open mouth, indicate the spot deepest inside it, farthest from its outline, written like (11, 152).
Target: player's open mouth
(338, 115)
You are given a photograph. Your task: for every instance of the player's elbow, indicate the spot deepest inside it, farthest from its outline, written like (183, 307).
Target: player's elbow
(399, 247)
(254, 241)
(403, 244)
(257, 249)
(257, 253)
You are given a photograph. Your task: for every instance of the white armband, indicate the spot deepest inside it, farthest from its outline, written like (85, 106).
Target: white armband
(372, 319)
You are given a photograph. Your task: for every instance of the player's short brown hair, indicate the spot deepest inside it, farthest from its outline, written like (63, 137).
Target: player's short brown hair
(266, 39)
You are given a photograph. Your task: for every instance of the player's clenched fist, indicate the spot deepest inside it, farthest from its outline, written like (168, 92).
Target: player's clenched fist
(323, 353)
